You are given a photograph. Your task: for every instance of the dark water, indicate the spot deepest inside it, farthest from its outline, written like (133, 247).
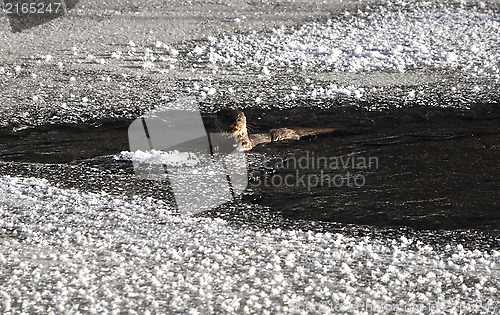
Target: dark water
(437, 169)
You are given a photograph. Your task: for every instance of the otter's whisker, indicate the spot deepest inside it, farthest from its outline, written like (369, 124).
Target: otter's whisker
(250, 127)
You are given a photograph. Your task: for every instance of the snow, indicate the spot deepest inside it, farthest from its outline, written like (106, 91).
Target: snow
(423, 35)
(69, 251)
(210, 91)
(63, 251)
(442, 51)
(172, 158)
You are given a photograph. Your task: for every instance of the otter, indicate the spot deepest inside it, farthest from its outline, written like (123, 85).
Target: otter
(234, 122)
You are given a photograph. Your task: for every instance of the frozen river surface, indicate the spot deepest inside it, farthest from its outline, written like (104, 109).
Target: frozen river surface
(414, 84)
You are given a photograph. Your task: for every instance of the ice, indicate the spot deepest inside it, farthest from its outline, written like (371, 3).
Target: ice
(173, 158)
(96, 251)
(209, 91)
(148, 65)
(198, 50)
(426, 35)
(474, 49)
(358, 50)
(69, 251)
(116, 54)
(451, 57)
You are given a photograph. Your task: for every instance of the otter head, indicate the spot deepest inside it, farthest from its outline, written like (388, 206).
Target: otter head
(231, 121)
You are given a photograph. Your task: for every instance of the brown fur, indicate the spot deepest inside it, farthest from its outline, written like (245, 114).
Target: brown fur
(233, 122)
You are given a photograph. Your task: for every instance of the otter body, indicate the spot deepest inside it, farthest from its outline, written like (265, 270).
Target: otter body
(234, 122)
